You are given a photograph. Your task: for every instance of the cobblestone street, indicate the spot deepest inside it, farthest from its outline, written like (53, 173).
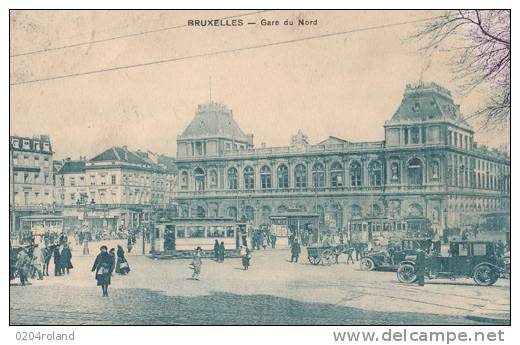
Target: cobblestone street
(273, 291)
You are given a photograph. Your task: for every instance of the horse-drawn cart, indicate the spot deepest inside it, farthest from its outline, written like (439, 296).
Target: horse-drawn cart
(320, 255)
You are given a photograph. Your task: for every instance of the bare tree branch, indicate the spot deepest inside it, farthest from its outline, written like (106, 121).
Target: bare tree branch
(483, 58)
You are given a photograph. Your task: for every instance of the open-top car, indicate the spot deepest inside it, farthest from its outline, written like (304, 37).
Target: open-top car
(390, 257)
(466, 259)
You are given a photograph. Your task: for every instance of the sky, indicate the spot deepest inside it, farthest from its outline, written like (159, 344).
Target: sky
(345, 86)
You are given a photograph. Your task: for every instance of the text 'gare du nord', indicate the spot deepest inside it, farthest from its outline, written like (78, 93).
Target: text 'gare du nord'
(428, 165)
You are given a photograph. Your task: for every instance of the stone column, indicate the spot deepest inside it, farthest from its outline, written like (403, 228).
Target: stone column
(309, 164)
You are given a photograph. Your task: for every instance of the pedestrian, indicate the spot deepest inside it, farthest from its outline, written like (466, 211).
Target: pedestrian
(245, 254)
(196, 263)
(273, 241)
(216, 247)
(122, 266)
(57, 260)
(103, 268)
(37, 261)
(295, 251)
(23, 264)
(349, 252)
(129, 244)
(66, 259)
(221, 252)
(420, 266)
(112, 253)
(264, 241)
(47, 255)
(500, 248)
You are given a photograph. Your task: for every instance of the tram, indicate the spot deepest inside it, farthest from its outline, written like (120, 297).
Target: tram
(34, 227)
(186, 234)
(381, 229)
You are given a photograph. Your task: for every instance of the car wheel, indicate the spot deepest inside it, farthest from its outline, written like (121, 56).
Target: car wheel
(406, 273)
(485, 276)
(367, 264)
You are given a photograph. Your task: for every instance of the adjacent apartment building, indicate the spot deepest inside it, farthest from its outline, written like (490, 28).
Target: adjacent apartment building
(116, 188)
(31, 188)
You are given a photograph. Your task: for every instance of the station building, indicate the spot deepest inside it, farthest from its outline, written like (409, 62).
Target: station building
(427, 165)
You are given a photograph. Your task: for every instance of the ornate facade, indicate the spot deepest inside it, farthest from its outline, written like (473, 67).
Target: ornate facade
(427, 165)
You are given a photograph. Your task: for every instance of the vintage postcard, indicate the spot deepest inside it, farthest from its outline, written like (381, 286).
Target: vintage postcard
(259, 167)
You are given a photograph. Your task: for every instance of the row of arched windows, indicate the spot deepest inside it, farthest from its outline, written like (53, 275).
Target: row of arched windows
(268, 180)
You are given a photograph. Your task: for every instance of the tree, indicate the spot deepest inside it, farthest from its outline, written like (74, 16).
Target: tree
(480, 43)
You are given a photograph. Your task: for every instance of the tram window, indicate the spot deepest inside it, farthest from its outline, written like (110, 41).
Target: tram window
(196, 232)
(215, 231)
(181, 233)
(230, 232)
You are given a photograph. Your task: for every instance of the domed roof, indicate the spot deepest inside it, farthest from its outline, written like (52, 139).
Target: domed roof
(213, 120)
(427, 101)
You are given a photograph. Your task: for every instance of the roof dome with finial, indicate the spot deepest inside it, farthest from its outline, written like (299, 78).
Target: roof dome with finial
(213, 120)
(427, 101)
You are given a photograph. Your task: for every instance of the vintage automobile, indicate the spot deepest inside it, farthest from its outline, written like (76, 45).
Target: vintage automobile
(389, 258)
(468, 259)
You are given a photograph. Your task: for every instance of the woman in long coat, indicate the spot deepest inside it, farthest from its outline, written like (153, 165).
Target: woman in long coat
(221, 252)
(121, 261)
(103, 268)
(57, 260)
(66, 259)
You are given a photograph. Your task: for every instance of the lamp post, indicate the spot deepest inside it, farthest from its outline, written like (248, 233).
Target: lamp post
(87, 230)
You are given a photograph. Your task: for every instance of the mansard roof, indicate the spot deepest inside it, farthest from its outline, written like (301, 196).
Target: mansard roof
(428, 102)
(120, 154)
(72, 167)
(213, 120)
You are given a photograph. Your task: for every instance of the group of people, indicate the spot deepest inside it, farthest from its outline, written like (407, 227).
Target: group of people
(263, 239)
(32, 261)
(219, 251)
(106, 263)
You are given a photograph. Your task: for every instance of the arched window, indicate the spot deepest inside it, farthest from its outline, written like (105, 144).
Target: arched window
(200, 179)
(265, 177)
(249, 178)
(232, 177)
(318, 175)
(232, 212)
(356, 211)
(283, 176)
(266, 212)
(336, 175)
(200, 212)
(281, 209)
(394, 172)
(184, 180)
(213, 181)
(415, 210)
(249, 213)
(415, 174)
(376, 210)
(375, 173)
(300, 176)
(355, 174)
